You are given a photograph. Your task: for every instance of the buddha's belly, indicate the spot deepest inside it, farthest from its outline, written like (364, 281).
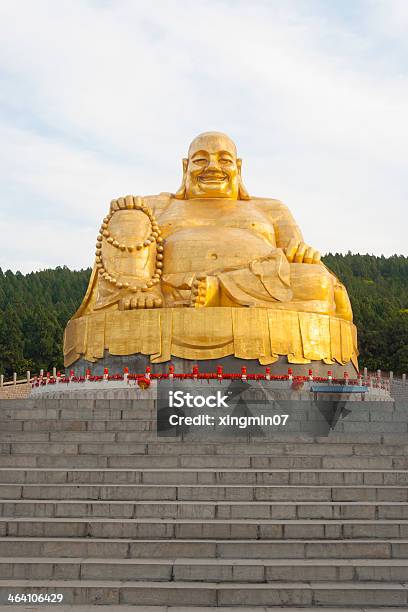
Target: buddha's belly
(202, 249)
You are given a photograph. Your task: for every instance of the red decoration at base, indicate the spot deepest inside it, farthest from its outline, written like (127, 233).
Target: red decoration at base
(143, 382)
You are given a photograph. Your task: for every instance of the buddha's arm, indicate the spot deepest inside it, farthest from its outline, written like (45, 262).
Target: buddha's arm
(129, 257)
(288, 235)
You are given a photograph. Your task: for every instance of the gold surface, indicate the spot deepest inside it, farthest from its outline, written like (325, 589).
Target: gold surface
(208, 272)
(250, 333)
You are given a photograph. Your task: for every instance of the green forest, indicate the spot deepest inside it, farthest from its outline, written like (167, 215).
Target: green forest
(35, 307)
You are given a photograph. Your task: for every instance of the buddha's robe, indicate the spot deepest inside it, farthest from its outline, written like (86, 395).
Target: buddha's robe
(238, 242)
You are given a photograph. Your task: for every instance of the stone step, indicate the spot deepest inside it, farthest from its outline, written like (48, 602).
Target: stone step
(216, 492)
(203, 461)
(137, 429)
(80, 414)
(120, 548)
(215, 594)
(140, 407)
(85, 400)
(75, 401)
(264, 529)
(292, 445)
(377, 431)
(57, 508)
(82, 430)
(79, 425)
(305, 407)
(205, 570)
(125, 608)
(204, 476)
(296, 432)
(262, 449)
(207, 493)
(65, 436)
(318, 447)
(383, 434)
(391, 431)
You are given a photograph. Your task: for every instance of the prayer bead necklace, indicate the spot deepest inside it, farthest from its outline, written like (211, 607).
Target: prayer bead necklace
(131, 203)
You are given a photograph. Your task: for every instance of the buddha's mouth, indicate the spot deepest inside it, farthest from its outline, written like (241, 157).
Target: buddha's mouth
(212, 178)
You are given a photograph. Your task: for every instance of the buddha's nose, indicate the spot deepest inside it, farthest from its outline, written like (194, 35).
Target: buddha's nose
(213, 165)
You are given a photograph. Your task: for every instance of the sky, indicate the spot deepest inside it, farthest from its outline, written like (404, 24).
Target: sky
(101, 98)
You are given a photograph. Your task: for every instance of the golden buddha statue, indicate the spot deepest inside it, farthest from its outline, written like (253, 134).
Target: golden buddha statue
(210, 272)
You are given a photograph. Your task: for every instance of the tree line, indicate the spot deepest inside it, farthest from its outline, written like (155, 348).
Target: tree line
(35, 307)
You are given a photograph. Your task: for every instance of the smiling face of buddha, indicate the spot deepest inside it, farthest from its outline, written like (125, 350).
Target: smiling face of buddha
(212, 169)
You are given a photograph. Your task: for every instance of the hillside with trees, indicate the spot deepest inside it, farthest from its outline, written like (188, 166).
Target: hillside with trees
(378, 289)
(35, 307)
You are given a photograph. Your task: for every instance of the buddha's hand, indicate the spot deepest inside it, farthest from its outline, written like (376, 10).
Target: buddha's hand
(142, 299)
(299, 252)
(127, 202)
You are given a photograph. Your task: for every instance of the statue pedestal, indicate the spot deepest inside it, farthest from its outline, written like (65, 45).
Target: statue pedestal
(138, 363)
(232, 337)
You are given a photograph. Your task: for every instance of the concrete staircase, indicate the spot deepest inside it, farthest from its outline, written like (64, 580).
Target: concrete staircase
(94, 506)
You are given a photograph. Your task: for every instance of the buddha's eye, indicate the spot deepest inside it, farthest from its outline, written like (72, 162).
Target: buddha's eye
(225, 160)
(201, 160)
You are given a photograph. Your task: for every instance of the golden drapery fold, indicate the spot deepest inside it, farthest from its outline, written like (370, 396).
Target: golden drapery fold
(212, 333)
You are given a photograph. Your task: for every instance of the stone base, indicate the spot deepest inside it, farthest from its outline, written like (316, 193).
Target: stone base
(273, 390)
(137, 364)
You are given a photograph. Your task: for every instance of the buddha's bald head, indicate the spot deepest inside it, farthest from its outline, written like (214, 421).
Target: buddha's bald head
(212, 169)
(212, 141)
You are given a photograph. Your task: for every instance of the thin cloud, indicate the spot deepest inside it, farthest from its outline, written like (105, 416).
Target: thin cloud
(101, 99)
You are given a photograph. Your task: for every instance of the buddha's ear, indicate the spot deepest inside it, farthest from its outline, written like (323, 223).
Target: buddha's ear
(181, 193)
(242, 192)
